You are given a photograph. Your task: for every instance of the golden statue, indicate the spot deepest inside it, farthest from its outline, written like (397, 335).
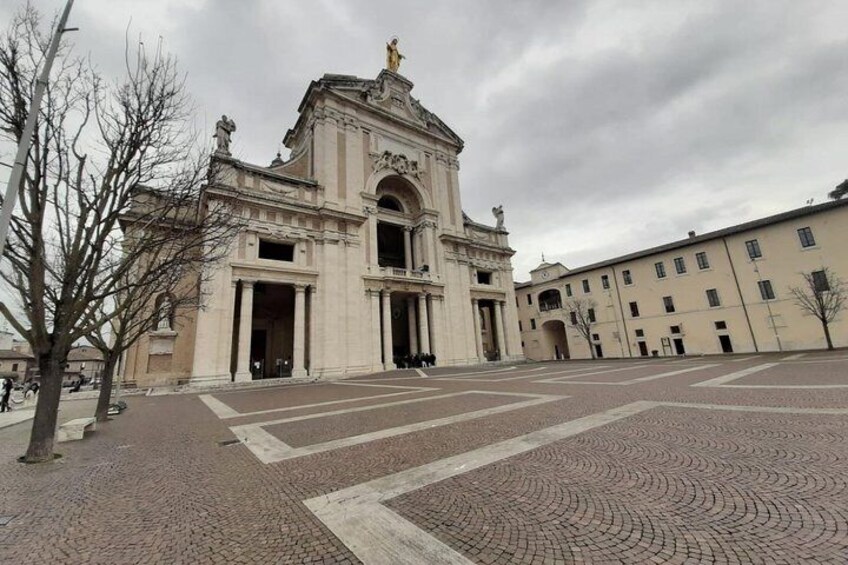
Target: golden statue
(393, 56)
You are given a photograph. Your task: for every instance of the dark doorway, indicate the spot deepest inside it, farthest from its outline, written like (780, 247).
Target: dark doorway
(556, 352)
(643, 349)
(257, 353)
(390, 246)
(678, 346)
(599, 353)
(726, 346)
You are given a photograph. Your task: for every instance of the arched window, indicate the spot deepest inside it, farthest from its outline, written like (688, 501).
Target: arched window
(389, 203)
(164, 313)
(550, 300)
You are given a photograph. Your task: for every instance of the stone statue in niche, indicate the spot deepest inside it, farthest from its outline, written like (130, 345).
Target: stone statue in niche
(223, 132)
(164, 314)
(497, 212)
(393, 56)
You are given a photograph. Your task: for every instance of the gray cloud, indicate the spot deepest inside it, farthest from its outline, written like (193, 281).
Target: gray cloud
(603, 127)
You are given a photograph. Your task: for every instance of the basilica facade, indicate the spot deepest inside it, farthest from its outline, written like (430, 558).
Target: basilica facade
(355, 253)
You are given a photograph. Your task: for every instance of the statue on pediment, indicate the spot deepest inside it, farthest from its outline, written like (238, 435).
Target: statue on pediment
(223, 132)
(498, 213)
(393, 56)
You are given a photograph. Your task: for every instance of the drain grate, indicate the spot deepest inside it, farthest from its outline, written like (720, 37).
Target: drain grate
(226, 442)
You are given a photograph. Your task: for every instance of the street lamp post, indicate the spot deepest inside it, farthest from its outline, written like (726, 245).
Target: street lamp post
(29, 128)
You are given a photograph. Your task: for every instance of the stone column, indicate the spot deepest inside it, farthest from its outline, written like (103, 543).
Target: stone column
(499, 329)
(413, 329)
(423, 323)
(388, 361)
(437, 337)
(376, 337)
(372, 236)
(407, 246)
(299, 348)
(429, 244)
(312, 333)
(478, 335)
(245, 329)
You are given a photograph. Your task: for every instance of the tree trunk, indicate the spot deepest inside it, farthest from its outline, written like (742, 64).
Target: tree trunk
(827, 335)
(105, 398)
(591, 348)
(46, 411)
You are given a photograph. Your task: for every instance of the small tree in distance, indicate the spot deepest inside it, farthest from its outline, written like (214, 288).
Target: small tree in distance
(582, 313)
(823, 295)
(840, 191)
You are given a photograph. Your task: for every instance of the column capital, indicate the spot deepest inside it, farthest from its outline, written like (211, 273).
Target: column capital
(300, 288)
(408, 228)
(248, 283)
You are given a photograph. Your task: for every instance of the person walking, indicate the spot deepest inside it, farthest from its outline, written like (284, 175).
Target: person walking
(6, 393)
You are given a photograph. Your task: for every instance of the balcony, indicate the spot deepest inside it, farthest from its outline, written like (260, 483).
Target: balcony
(400, 273)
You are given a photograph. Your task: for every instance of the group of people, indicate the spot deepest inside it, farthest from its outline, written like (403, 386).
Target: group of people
(415, 361)
(30, 390)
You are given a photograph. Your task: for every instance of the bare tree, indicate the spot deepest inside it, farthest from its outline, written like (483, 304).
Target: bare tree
(582, 312)
(823, 295)
(840, 190)
(166, 281)
(95, 145)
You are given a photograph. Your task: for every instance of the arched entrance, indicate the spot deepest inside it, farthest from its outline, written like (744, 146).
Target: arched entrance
(554, 340)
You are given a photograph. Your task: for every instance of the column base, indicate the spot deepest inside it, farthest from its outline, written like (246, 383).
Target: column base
(243, 377)
(389, 367)
(299, 373)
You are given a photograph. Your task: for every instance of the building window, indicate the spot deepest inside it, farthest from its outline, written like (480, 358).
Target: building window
(605, 281)
(766, 291)
(276, 251)
(550, 300)
(626, 276)
(519, 326)
(522, 344)
(634, 310)
(573, 318)
(568, 289)
(596, 337)
(668, 302)
(14, 367)
(712, 298)
(586, 288)
(532, 323)
(679, 265)
(675, 330)
(820, 283)
(530, 299)
(703, 262)
(516, 301)
(660, 267)
(721, 325)
(806, 237)
(753, 248)
(484, 277)
(640, 333)
(591, 315)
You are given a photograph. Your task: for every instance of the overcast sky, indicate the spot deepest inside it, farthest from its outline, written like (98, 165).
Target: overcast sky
(602, 127)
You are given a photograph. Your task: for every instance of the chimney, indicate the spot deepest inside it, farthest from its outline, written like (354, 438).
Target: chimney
(692, 233)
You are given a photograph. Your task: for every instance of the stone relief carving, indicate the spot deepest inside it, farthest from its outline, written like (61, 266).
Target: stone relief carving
(399, 163)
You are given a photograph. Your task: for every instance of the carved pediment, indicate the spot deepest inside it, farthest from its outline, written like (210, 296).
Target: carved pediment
(390, 92)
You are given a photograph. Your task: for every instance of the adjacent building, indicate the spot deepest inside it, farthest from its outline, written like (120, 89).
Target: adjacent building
(355, 252)
(719, 292)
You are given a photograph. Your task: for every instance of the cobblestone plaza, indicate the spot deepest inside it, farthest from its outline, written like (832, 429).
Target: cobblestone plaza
(732, 459)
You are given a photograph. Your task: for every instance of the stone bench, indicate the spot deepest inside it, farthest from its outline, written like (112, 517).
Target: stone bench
(75, 429)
